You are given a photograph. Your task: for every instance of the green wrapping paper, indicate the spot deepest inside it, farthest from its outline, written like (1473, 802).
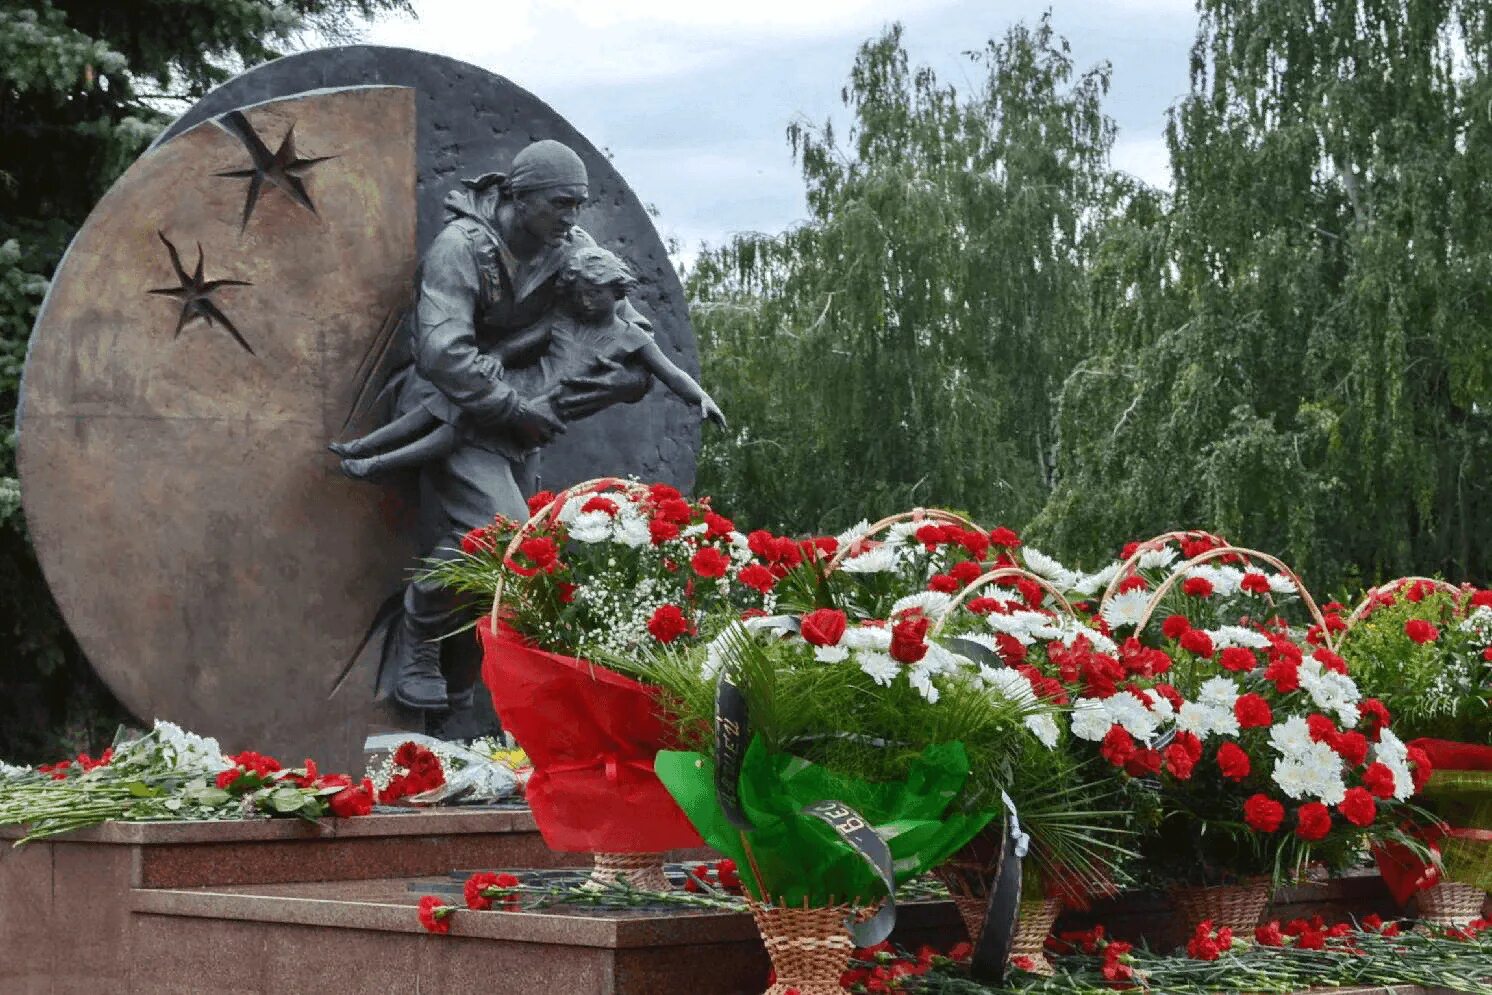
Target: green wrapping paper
(798, 855)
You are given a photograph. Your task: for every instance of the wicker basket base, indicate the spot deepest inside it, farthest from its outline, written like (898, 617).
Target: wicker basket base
(1450, 904)
(971, 911)
(1236, 906)
(810, 948)
(643, 871)
(1033, 925)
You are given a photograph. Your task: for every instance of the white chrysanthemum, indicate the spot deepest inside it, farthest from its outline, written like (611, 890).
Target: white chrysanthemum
(1162, 707)
(1282, 585)
(1129, 711)
(1219, 692)
(591, 527)
(1048, 568)
(632, 531)
(1391, 748)
(1225, 581)
(1292, 777)
(1195, 718)
(941, 660)
(1090, 584)
(853, 534)
(570, 510)
(866, 637)
(10, 770)
(831, 654)
(873, 561)
(1225, 636)
(1044, 728)
(881, 668)
(1009, 684)
(1157, 559)
(1324, 774)
(1331, 691)
(1090, 720)
(931, 603)
(903, 533)
(190, 751)
(1019, 624)
(1126, 609)
(1292, 737)
(1070, 631)
(921, 678)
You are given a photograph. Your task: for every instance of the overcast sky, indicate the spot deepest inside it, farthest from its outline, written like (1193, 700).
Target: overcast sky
(693, 98)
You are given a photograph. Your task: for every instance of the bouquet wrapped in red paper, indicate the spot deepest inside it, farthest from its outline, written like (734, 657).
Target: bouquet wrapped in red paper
(583, 592)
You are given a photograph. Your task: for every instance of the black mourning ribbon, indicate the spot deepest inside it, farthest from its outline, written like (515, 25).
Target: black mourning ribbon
(732, 733)
(992, 950)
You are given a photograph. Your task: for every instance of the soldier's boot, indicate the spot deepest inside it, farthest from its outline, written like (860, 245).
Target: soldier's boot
(419, 683)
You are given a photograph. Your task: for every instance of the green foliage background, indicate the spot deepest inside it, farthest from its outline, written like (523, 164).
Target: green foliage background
(82, 87)
(1291, 346)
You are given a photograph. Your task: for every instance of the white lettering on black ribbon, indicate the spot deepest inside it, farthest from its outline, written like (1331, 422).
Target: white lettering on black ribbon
(731, 729)
(864, 840)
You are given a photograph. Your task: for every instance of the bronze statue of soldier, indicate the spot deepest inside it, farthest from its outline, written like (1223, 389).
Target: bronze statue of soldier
(490, 273)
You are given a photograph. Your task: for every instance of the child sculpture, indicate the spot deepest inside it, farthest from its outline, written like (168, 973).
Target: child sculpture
(587, 336)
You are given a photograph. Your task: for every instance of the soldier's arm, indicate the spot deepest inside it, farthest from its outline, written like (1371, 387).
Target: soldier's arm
(445, 346)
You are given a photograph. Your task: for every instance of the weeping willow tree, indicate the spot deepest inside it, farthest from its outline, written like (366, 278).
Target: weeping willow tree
(905, 345)
(1296, 349)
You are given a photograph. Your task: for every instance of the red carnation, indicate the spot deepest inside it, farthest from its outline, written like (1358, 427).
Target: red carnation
(1379, 779)
(1237, 659)
(1322, 728)
(1171, 695)
(1004, 537)
(909, 638)
(668, 623)
(1189, 742)
(1118, 746)
(660, 492)
(976, 544)
(965, 571)
(718, 526)
(1329, 660)
(1197, 587)
(538, 501)
(599, 503)
(482, 888)
(1421, 631)
(541, 552)
(757, 577)
(1352, 747)
(1284, 674)
(1143, 763)
(1358, 807)
(1254, 583)
(1481, 599)
(1422, 766)
(710, 562)
(1270, 934)
(675, 510)
(661, 530)
(1252, 711)
(762, 543)
(1175, 626)
(1134, 582)
(476, 541)
(823, 627)
(933, 535)
(435, 914)
(1264, 814)
(945, 583)
(350, 802)
(1197, 641)
(1179, 761)
(1312, 821)
(1233, 762)
(1012, 650)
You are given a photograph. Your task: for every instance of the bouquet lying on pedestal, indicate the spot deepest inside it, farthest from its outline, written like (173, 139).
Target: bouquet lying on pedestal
(602, 573)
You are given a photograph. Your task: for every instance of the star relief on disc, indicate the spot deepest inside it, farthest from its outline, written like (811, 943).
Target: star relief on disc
(195, 294)
(283, 168)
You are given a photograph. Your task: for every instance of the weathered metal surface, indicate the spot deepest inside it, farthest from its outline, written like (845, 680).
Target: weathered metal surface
(214, 565)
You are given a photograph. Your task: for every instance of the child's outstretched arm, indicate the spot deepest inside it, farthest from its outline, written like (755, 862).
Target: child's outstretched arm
(681, 383)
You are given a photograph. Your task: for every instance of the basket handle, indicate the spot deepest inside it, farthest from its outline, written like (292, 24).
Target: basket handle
(552, 511)
(1363, 606)
(1147, 546)
(912, 515)
(1221, 551)
(1001, 573)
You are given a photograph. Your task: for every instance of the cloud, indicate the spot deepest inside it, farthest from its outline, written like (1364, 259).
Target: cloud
(1145, 158)
(582, 44)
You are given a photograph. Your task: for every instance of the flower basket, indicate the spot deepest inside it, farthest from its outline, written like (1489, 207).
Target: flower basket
(1451, 904)
(810, 947)
(1239, 907)
(1034, 921)
(592, 735)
